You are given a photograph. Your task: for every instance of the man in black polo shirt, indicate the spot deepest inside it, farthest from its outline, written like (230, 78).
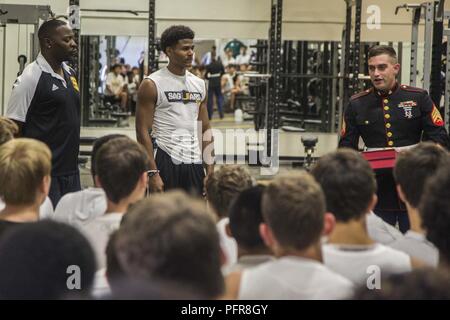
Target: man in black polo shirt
(45, 103)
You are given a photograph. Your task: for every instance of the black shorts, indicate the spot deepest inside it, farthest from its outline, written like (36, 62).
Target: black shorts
(60, 185)
(186, 176)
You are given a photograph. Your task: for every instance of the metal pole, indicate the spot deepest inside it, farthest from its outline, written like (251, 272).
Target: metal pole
(436, 83)
(3, 68)
(74, 22)
(271, 83)
(428, 39)
(357, 46)
(151, 37)
(446, 34)
(400, 59)
(343, 99)
(334, 64)
(346, 52)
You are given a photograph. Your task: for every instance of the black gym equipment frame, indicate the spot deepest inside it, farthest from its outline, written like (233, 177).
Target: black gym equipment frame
(152, 46)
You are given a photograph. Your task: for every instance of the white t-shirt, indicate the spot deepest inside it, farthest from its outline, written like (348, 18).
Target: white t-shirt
(229, 84)
(81, 207)
(243, 59)
(417, 246)
(98, 231)
(293, 278)
(175, 123)
(100, 288)
(115, 82)
(228, 244)
(250, 261)
(45, 210)
(353, 262)
(380, 231)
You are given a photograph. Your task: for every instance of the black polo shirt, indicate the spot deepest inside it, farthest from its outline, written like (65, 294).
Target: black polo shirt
(49, 107)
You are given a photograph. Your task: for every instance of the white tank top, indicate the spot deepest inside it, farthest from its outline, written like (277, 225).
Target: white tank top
(175, 125)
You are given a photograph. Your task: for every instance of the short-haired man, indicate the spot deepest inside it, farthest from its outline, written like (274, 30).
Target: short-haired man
(45, 103)
(412, 170)
(171, 102)
(172, 238)
(121, 166)
(25, 166)
(349, 185)
(294, 219)
(390, 115)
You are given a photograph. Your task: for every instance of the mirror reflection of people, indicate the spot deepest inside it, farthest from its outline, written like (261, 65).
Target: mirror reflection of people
(115, 87)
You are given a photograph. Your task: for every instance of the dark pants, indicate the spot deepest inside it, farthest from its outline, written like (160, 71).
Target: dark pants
(215, 91)
(389, 206)
(394, 217)
(186, 176)
(63, 184)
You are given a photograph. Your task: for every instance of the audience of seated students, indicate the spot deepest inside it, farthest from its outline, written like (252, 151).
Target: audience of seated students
(243, 58)
(78, 208)
(412, 170)
(115, 87)
(435, 213)
(228, 58)
(294, 215)
(222, 187)
(422, 284)
(172, 238)
(230, 84)
(132, 87)
(121, 168)
(349, 186)
(25, 166)
(45, 260)
(8, 130)
(245, 218)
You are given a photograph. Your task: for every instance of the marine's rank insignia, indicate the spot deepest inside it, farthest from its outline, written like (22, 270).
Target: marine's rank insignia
(436, 117)
(343, 128)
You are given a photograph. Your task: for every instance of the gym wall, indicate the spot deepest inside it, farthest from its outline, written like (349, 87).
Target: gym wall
(320, 20)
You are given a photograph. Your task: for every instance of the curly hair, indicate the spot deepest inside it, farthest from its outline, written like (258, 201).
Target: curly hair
(171, 35)
(225, 184)
(435, 211)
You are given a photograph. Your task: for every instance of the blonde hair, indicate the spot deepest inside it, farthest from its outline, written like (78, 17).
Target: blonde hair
(8, 129)
(23, 165)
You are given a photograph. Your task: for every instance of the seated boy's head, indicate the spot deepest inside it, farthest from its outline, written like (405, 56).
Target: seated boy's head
(25, 167)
